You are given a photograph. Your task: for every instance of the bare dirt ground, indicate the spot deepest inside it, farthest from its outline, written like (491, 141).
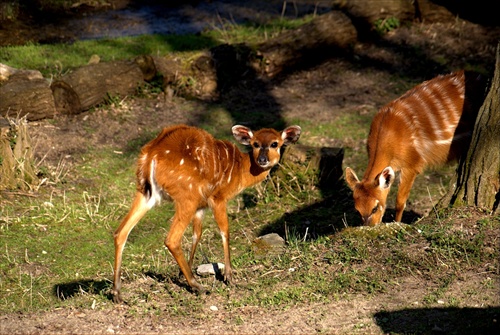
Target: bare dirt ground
(319, 92)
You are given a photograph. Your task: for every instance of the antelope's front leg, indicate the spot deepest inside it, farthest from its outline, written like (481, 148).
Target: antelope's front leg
(404, 188)
(220, 215)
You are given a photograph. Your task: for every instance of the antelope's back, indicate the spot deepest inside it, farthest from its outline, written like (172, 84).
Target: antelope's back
(432, 122)
(185, 159)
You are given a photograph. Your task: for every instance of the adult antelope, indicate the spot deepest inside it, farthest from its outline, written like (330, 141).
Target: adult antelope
(429, 125)
(196, 171)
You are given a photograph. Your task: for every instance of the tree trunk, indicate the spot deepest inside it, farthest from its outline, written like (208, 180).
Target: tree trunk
(477, 182)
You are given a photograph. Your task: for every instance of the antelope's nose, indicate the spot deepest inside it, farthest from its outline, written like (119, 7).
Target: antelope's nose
(367, 220)
(262, 160)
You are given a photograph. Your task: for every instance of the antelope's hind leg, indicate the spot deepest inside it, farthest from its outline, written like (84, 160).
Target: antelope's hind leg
(220, 215)
(197, 223)
(137, 210)
(184, 213)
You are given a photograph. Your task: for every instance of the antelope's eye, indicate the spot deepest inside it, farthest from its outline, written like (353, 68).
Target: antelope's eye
(256, 145)
(375, 209)
(274, 145)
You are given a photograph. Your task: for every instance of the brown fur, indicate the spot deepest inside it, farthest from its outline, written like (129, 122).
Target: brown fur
(429, 125)
(195, 170)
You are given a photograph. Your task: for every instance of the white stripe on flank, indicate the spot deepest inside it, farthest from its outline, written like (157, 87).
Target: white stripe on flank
(232, 165)
(155, 194)
(443, 142)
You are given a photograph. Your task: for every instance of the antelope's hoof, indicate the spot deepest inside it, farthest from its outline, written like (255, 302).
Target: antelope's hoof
(228, 278)
(117, 298)
(197, 288)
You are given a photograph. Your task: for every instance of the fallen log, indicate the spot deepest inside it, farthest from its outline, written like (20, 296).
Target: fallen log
(225, 65)
(26, 93)
(91, 85)
(327, 33)
(367, 13)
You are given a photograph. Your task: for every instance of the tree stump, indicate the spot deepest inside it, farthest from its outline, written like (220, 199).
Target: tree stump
(17, 167)
(325, 162)
(92, 84)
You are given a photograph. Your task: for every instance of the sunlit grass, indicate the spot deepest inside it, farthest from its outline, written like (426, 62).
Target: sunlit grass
(57, 247)
(56, 59)
(252, 33)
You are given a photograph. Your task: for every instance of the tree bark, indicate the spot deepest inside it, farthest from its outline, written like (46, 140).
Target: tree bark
(90, 85)
(367, 12)
(329, 32)
(326, 162)
(26, 93)
(477, 181)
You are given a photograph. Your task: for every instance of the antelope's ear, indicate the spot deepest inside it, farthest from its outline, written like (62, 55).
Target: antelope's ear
(351, 178)
(291, 134)
(242, 134)
(386, 178)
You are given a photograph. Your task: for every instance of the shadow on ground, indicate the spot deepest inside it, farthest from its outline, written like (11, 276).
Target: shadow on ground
(440, 321)
(89, 286)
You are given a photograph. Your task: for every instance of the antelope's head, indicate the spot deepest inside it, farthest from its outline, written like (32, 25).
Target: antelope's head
(266, 143)
(370, 195)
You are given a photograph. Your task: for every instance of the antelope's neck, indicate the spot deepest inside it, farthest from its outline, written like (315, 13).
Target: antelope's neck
(384, 140)
(235, 169)
(252, 173)
(376, 165)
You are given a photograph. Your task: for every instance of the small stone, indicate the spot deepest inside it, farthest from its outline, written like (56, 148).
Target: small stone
(270, 244)
(209, 269)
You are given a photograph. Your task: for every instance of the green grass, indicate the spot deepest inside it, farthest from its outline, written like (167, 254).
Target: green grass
(56, 59)
(352, 126)
(252, 33)
(53, 60)
(58, 251)
(57, 247)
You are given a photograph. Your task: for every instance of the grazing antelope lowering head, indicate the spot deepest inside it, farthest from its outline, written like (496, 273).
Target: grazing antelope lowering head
(196, 171)
(429, 125)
